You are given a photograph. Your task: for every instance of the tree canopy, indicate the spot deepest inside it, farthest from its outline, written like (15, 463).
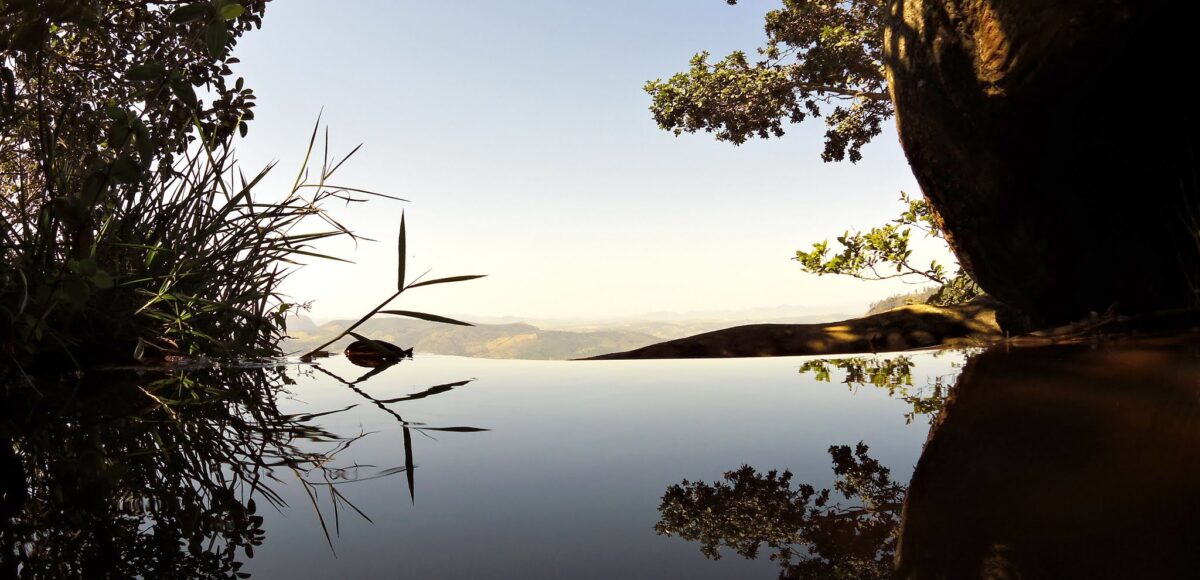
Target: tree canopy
(823, 58)
(97, 90)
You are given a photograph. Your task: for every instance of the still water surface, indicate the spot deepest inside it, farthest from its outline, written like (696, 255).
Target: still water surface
(1068, 461)
(567, 480)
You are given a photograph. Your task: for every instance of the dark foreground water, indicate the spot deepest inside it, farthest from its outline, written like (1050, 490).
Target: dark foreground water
(1078, 461)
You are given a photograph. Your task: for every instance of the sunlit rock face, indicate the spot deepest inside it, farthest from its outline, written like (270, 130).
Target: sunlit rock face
(1056, 142)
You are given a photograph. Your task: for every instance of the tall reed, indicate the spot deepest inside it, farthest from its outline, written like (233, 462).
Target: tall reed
(187, 264)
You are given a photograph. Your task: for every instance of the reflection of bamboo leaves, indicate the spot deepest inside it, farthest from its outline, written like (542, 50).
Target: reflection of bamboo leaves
(406, 427)
(408, 466)
(436, 390)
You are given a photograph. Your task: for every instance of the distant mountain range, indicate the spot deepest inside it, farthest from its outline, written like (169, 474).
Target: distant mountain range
(519, 340)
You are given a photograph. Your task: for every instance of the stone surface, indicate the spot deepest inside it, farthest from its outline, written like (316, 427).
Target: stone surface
(1056, 142)
(903, 328)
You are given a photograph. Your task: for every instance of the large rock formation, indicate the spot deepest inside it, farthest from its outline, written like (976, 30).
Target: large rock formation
(1059, 145)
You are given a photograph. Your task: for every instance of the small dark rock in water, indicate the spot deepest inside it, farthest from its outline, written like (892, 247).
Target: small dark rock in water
(376, 353)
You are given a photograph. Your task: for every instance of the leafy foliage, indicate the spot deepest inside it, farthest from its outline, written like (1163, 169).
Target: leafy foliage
(822, 58)
(811, 535)
(883, 253)
(126, 226)
(111, 86)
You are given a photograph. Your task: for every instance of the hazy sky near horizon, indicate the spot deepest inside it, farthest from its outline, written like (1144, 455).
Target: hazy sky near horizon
(520, 133)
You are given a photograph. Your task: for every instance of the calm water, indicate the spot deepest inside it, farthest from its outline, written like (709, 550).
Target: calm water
(568, 479)
(473, 468)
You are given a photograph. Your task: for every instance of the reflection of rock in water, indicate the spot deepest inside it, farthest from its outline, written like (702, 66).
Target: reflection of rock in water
(1062, 462)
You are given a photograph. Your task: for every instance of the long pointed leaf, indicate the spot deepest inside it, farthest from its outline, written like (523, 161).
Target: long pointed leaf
(453, 429)
(401, 255)
(447, 280)
(423, 316)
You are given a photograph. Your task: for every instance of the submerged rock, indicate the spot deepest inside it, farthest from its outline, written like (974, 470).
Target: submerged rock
(375, 353)
(1046, 136)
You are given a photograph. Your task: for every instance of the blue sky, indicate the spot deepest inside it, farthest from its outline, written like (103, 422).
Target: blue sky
(521, 134)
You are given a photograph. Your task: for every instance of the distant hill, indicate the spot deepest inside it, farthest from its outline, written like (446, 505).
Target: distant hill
(520, 341)
(917, 297)
(511, 340)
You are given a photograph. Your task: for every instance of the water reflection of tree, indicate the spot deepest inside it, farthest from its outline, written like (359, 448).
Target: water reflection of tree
(809, 534)
(150, 476)
(895, 374)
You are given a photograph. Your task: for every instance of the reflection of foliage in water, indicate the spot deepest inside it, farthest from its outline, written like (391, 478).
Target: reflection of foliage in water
(811, 536)
(150, 477)
(892, 373)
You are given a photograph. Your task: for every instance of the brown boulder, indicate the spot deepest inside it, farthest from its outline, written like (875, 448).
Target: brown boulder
(1056, 140)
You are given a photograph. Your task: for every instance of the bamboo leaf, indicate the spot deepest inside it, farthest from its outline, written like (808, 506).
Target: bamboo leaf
(423, 316)
(447, 280)
(401, 255)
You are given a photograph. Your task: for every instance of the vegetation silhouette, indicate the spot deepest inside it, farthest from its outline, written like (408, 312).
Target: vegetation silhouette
(127, 228)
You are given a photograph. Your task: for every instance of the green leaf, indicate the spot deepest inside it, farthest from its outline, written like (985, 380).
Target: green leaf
(447, 280)
(231, 11)
(215, 38)
(125, 170)
(188, 13)
(74, 291)
(145, 72)
(423, 316)
(86, 266)
(401, 255)
(102, 280)
(184, 91)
